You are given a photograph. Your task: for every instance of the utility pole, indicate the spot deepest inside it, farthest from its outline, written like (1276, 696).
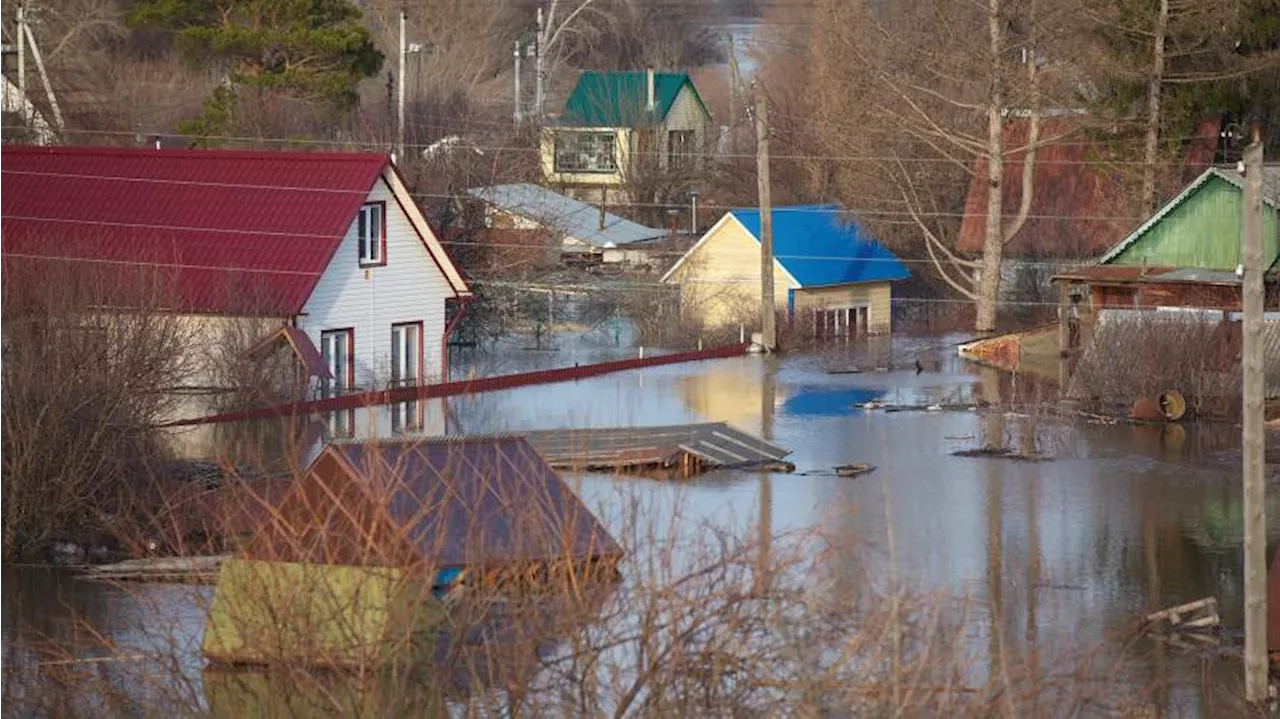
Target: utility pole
(518, 115)
(1255, 540)
(734, 81)
(404, 50)
(538, 51)
(22, 62)
(768, 312)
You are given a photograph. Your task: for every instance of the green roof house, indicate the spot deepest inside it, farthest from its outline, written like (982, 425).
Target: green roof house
(621, 126)
(1186, 254)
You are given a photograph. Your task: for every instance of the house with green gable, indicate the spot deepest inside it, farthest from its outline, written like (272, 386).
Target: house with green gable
(1186, 255)
(623, 127)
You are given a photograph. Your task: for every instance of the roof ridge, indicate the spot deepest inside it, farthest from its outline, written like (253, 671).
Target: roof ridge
(222, 153)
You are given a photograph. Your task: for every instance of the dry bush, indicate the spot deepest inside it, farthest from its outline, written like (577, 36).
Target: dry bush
(83, 391)
(1146, 352)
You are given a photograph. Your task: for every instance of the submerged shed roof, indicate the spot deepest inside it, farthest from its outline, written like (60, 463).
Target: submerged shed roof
(716, 444)
(437, 502)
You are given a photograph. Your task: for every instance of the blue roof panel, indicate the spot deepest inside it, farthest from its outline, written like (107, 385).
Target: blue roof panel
(820, 245)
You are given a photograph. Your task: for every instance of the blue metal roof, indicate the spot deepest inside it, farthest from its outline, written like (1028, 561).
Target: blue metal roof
(820, 245)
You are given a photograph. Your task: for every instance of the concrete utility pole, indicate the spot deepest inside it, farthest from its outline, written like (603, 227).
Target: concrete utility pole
(1255, 526)
(768, 312)
(404, 51)
(538, 51)
(518, 115)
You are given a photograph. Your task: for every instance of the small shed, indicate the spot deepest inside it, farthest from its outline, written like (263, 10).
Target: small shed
(375, 530)
(828, 271)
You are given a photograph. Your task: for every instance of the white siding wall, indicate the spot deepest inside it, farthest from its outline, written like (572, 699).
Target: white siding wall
(409, 288)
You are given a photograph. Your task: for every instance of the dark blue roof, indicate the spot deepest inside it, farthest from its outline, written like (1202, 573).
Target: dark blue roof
(820, 245)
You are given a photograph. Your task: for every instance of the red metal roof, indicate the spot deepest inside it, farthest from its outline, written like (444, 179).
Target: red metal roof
(300, 344)
(227, 231)
(1077, 207)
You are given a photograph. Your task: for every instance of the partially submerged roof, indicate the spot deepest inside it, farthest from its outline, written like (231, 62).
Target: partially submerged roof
(223, 232)
(431, 502)
(820, 245)
(715, 444)
(575, 218)
(611, 98)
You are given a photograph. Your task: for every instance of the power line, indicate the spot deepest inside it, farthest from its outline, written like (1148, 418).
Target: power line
(383, 146)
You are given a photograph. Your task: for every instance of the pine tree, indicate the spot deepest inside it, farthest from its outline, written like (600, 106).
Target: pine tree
(315, 51)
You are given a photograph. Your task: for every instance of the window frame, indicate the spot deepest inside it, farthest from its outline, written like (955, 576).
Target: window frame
(339, 385)
(420, 326)
(381, 245)
(577, 135)
(687, 158)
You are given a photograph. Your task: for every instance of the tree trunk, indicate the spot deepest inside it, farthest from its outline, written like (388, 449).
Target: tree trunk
(993, 246)
(1154, 86)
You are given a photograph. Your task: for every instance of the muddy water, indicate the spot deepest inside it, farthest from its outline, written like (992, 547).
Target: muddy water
(1054, 557)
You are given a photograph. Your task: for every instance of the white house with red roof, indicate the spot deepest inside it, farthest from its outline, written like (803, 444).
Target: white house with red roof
(330, 245)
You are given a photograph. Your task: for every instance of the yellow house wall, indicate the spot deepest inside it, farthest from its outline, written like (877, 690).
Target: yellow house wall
(877, 296)
(720, 281)
(622, 146)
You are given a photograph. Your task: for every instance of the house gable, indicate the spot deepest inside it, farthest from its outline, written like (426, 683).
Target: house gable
(1198, 228)
(727, 253)
(411, 287)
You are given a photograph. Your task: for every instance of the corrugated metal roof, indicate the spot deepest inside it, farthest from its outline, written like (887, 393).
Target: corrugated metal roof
(715, 443)
(227, 231)
(819, 246)
(450, 502)
(1073, 200)
(300, 344)
(609, 98)
(558, 212)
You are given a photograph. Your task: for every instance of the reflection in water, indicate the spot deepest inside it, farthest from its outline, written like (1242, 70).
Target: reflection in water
(1124, 519)
(809, 401)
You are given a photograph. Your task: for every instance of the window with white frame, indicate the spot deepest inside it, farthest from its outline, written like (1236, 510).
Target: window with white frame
(407, 417)
(336, 349)
(586, 152)
(371, 234)
(406, 353)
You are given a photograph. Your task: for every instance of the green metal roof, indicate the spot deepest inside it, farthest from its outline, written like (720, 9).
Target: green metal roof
(606, 98)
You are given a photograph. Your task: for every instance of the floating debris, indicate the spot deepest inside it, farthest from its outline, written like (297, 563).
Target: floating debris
(1002, 453)
(1200, 615)
(853, 470)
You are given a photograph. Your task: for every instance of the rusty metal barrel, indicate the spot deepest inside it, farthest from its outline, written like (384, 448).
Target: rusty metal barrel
(1169, 406)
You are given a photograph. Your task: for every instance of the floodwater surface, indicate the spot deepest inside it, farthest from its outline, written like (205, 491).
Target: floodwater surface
(1054, 558)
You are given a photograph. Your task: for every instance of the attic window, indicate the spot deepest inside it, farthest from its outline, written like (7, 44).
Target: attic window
(586, 152)
(371, 234)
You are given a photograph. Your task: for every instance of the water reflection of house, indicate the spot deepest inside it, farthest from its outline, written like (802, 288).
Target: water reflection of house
(732, 392)
(828, 270)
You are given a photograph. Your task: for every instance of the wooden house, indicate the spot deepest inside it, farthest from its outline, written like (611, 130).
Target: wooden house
(329, 245)
(1187, 253)
(620, 125)
(828, 271)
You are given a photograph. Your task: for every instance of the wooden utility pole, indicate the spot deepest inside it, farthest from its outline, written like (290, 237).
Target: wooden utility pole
(733, 98)
(768, 312)
(1255, 527)
(404, 50)
(517, 114)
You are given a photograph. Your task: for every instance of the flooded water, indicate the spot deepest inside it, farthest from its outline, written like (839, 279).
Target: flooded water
(1054, 557)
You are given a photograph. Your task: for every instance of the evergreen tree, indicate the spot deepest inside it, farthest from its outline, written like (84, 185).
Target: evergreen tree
(311, 50)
